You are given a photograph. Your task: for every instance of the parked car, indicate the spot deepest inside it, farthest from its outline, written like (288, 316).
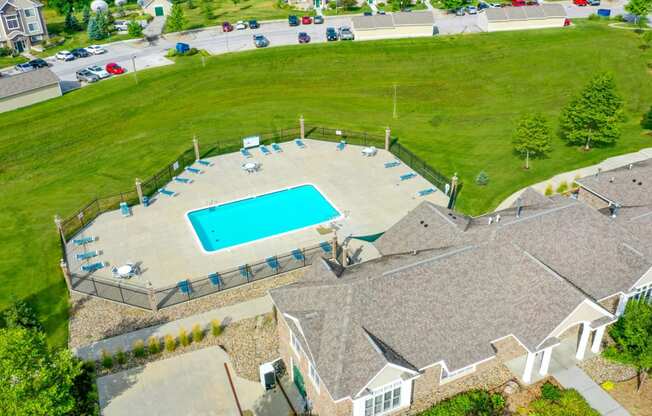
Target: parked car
(306, 20)
(38, 63)
(114, 69)
(80, 53)
(344, 33)
(318, 20)
(367, 13)
(65, 56)
(471, 10)
(24, 67)
(293, 20)
(459, 12)
(593, 2)
(331, 34)
(253, 24)
(96, 49)
(580, 3)
(240, 25)
(518, 3)
(304, 37)
(98, 71)
(227, 27)
(84, 75)
(261, 41)
(381, 12)
(482, 6)
(121, 25)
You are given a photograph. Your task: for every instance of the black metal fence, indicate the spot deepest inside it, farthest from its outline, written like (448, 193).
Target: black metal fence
(130, 294)
(420, 166)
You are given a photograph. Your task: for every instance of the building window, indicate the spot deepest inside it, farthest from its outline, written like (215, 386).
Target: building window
(32, 27)
(450, 376)
(296, 346)
(29, 12)
(12, 22)
(383, 400)
(314, 377)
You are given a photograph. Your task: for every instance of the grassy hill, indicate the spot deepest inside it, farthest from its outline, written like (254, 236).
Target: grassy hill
(458, 98)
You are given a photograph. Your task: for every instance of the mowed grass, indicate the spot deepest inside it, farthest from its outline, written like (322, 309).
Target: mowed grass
(458, 98)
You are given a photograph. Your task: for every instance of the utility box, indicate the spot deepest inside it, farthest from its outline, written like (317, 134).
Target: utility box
(182, 47)
(604, 12)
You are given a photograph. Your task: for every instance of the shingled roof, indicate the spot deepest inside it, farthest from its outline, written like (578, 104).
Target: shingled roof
(27, 81)
(448, 285)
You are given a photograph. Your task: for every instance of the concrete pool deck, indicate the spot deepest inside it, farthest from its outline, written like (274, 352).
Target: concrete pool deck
(160, 239)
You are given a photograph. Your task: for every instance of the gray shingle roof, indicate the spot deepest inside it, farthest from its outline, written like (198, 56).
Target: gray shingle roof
(26, 81)
(378, 21)
(413, 18)
(543, 11)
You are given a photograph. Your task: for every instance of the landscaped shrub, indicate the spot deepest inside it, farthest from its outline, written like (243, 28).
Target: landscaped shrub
(550, 392)
(563, 187)
(120, 356)
(548, 190)
(170, 343)
(184, 339)
(153, 345)
(482, 179)
(138, 348)
(475, 402)
(571, 403)
(20, 314)
(197, 333)
(216, 327)
(107, 360)
(5, 51)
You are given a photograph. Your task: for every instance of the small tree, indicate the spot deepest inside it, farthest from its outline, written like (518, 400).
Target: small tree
(639, 8)
(177, 20)
(134, 29)
(86, 15)
(632, 335)
(532, 137)
(482, 179)
(98, 26)
(71, 24)
(594, 114)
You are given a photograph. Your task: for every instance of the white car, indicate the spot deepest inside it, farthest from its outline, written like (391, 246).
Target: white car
(241, 25)
(65, 56)
(99, 71)
(96, 49)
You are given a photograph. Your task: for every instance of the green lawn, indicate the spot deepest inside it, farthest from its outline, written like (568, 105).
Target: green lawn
(6, 61)
(458, 98)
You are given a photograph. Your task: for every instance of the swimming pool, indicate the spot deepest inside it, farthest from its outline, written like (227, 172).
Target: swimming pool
(255, 218)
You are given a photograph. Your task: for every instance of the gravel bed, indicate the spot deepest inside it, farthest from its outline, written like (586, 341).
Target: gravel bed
(93, 319)
(249, 343)
(600, 370)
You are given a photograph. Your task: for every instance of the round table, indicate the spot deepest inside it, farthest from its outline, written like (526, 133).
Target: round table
(368, 151)
(249, 166)
(125, 271)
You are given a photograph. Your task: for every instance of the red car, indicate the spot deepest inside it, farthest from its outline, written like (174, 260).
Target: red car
(518, 3)
(227, 27)
(306, 20)
(580, 2)
(114, 69)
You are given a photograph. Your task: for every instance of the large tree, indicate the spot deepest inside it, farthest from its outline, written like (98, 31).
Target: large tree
(98, 26)
(632, 336)
(35, 380)
(639, 8)
(593, 116)
(177, 19)
(532, 137)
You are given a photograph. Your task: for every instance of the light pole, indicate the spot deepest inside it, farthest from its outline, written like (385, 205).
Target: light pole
(394, 114)
(133, 64)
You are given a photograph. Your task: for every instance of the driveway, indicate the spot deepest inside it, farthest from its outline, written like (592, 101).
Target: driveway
(193, 384)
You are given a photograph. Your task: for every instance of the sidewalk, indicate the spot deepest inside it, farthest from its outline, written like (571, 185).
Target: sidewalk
(600, 400)
(226, 315)
(569, 177)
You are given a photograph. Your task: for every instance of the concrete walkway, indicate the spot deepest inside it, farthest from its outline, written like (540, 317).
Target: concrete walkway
(226, 315)
(570, 176)
(600, 400)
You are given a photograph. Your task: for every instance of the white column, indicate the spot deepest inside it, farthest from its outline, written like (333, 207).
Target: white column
(597, 339)
(584, 340)
(529, 365)
(545, 361)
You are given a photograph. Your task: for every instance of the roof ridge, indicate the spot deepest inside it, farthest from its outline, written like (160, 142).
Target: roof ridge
(438, 257)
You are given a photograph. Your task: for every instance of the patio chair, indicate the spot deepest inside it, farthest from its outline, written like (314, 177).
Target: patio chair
(193, 170)
(326, 247)
(392, 164)
(145, 201)
(184, 287)
(83, 240)
(245, 152)
(408, 176)
(297, 254)
(277, 148)
(426, 192)
(182, 180)
(265, 150)
(272, 262)
(341, 145)
(215, 279)
(204, 162)
(167, 192)
(244, 271)
(87, 255)
(300, 143)
(93, 266)
(124, 209)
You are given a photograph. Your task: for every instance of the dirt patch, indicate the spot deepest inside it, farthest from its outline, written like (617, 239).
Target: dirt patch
(638, 404)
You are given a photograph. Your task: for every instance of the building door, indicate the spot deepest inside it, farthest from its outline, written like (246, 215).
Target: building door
(19, 45)
(298, 381)
(317, 4)
(158, 10)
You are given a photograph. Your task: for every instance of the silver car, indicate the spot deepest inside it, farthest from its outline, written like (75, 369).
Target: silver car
(84, 75)
(261, 41)
(345, 33)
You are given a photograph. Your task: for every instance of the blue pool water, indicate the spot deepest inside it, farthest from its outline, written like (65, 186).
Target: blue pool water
(259, 217)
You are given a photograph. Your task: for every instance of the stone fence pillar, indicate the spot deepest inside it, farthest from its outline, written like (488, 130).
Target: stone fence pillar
(302, 127)
(66, 274)
(195, 145)
(139, 190)
(388, 137)
(151, 296)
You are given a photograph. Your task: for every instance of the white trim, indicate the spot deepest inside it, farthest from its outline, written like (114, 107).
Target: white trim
(595, 306)
(513, 336)
(316, 380)
(639, 279)
(357, 395)
(457, 374)
(229, 248)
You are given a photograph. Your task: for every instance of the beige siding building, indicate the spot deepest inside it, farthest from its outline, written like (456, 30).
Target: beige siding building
(21, 24)
(28, 88)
